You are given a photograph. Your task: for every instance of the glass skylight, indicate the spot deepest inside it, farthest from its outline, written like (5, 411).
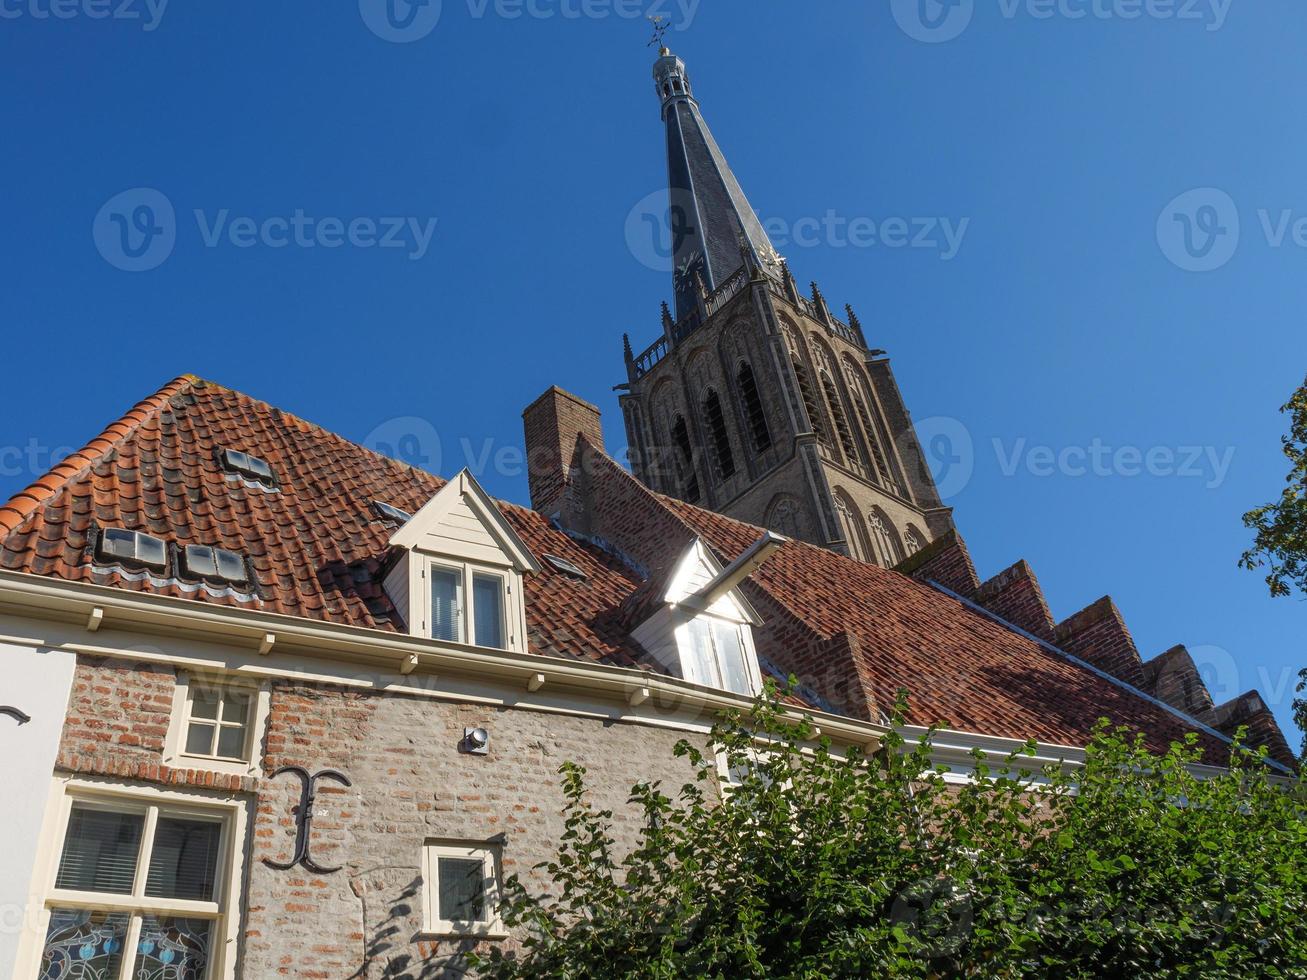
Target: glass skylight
(565, 566)
(391, 513)
(202, 561)
(247, 465)
(117, 544)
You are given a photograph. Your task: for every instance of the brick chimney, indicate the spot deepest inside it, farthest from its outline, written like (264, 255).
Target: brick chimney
(552, 423)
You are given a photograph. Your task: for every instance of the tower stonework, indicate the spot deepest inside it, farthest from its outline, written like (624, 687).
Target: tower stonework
(757, 401)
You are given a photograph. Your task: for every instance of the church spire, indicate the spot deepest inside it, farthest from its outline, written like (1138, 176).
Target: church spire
(713, 225)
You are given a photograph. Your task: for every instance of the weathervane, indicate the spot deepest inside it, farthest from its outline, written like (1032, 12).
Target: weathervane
(661, 25)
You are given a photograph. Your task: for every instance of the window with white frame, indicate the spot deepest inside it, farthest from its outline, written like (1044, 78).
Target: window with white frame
(715, 653)
(461, 889)
(468, 605)
(218, 721)
(138, 891)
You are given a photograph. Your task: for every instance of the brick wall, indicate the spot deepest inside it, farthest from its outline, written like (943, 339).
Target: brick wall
(1015, 595)
(552, 422)
(1099, 635)
(117, 723)
(410, 783)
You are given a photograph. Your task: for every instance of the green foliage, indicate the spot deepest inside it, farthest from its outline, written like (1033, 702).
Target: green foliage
(1281, 527)
(833, 864)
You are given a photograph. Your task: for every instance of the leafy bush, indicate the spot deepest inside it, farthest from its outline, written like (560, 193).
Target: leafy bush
(831, 864)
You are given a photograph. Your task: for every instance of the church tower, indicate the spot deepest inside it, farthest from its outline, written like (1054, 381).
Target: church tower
(758, 402)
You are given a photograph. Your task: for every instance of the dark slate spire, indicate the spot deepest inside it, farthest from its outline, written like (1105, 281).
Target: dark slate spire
(713, 226)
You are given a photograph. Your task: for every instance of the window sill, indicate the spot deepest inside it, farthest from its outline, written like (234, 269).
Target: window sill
(451, 931)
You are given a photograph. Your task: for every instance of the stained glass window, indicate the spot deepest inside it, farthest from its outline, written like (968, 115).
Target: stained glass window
(97, 930)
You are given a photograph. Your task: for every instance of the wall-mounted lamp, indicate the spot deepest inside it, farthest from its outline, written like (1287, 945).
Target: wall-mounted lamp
(476, 741)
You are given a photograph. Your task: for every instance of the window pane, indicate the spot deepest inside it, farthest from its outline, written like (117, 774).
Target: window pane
(199, 739)
(172, 948)
(184, 860)
(235, 708)
(488, 607)
(730, 652)
(204, 704)
(698, 659)
(84, 945)
(445, 589)
(100, 851)
(462, 889)
(231, 743)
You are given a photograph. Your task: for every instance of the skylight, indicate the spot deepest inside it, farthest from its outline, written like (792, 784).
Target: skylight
(247, 465)
(565, 566)
(390, 513)
(117, 544)
(202, 561)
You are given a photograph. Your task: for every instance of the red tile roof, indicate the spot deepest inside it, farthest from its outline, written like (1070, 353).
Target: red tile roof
(316, 544)
(319, 552)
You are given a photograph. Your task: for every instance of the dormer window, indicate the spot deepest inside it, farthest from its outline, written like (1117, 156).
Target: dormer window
(458, 578)
(704, 630)
(132, 547)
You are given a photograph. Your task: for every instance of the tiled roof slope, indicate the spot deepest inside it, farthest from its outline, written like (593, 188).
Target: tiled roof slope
(961, 667)
(317, 547)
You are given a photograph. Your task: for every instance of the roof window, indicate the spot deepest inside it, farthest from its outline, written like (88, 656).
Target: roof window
(136, 547)
(565, 566)
(202, 561)
(390, 513)
(246, 465)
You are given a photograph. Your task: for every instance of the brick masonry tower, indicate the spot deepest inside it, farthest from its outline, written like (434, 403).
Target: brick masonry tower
(758, 402)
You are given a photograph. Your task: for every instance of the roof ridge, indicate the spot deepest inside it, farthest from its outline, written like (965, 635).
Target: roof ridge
(25, 502)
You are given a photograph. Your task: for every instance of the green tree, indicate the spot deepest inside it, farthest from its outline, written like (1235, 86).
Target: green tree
(835, 864)
(1281, 527)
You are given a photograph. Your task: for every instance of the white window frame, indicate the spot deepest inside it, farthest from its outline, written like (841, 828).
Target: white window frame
(685, 647)
(174, 752)
(511, 612)
(223, 910)
(490, 854)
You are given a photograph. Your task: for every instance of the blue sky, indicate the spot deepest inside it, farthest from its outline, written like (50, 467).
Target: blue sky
(1069, 324)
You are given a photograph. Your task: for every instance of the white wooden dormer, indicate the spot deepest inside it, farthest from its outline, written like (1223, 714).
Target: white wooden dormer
(459, 578)
(703, 630)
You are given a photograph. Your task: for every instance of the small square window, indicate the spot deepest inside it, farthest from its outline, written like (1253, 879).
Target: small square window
(461, 889)
(217, 722)
(714, 654)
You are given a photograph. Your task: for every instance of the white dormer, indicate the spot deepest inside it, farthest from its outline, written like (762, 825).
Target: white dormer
(460, 577)
(703, 631)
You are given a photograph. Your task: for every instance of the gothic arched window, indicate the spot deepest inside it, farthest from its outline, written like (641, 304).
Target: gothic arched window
(883, 540)
(912, 541)
(786, 517)
(753, 409)
(851, 454)
(849, 525)
(689, 480)
(720, 439)
(872, 429)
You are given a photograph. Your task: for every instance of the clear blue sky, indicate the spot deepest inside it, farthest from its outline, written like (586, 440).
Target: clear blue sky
(1060, 322)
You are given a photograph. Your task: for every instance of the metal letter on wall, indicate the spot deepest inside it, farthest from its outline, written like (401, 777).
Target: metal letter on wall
(304, 817)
